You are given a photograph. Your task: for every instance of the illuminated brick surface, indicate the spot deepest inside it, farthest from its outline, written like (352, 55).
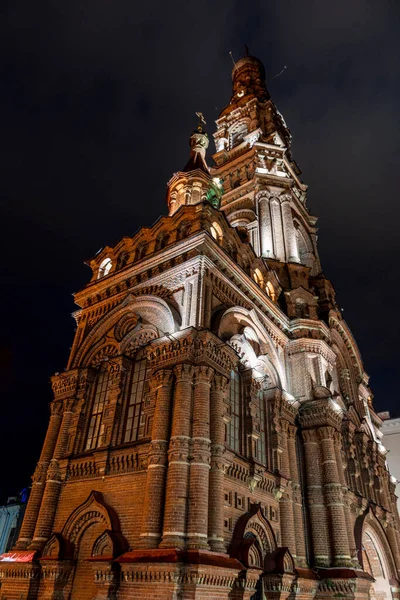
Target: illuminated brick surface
(213, 343)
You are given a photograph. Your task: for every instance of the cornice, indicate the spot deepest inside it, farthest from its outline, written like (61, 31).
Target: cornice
(313, 346)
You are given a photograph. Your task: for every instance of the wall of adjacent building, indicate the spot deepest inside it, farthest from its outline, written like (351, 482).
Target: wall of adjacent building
(391, 441)
(10, 519)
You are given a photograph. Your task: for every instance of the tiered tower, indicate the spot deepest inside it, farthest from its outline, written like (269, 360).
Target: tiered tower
(213, 435)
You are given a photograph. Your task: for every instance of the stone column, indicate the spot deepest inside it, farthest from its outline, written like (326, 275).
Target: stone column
(39, 477)
(161, 383)
(176, 500)
(320, 534)
(200, 463)
(333, 498)
(266, 243)
(218, 463)
(337, 440)
(45, 521)
(286, 500)
(277, 229)
(297, 497)
(292, 253)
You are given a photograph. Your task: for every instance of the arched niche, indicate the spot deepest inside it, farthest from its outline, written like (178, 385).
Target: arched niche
(244, 332)
(254, 544)
(149, 309)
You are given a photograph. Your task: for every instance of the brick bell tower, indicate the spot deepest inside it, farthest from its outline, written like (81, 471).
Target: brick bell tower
(213, 435)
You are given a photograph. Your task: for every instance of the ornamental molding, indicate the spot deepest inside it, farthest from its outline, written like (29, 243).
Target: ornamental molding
(312, 346)
(338, 324)
(319, 413)
(197, 347)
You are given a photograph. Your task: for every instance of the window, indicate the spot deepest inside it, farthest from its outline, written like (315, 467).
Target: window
(271, 291)
(104, 268)
(233, 427)
(135, 401)
(162, 241)
(261, 445)
(216, 232)
(96, 427)
(258, 278)
(140, 251)
(183, 231)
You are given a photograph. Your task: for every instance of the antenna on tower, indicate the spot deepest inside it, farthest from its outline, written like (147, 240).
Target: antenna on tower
(230, 53)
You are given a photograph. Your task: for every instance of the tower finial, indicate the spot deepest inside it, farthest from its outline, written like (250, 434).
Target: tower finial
(247, 50)
(201, 122)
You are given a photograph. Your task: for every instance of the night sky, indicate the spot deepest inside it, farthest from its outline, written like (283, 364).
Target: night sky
(97, 100)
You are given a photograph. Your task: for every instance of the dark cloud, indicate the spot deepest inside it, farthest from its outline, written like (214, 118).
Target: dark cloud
(96, 104)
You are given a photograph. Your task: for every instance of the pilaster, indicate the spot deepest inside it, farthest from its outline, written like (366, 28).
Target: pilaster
(176, 499)
(218, 464)
(161, 384)
(197, 533)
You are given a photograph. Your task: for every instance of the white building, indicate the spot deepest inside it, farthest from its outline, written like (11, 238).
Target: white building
(391, 441)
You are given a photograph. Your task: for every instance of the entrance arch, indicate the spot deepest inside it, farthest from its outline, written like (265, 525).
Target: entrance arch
(376, 564)
(375, 555)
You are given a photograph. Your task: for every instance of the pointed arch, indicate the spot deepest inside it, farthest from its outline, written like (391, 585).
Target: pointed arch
(253, 538)
(93, 510)
(237, 322)
(350, 344)
(148, 308)
(368, 524)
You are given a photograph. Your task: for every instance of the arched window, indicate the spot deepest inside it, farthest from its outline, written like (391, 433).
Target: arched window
(96, 431)
(141, 251)
(271, 291)
(183, 230)
(135, 400)
(104, 267)
(262, 442)
(216, 232)
(258, 278)
(233, 427)
(162, 241)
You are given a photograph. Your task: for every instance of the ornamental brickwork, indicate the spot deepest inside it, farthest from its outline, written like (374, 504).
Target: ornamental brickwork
(213, 435)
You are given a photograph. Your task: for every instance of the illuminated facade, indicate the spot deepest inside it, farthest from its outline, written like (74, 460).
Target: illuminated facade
(213, 435)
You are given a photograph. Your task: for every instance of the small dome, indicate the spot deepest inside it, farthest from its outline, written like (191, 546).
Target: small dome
(249, 61)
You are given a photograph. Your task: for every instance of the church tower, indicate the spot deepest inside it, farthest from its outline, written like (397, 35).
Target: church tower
(213, 435)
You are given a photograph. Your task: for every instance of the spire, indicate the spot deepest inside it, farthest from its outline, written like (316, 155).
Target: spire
(198, 145)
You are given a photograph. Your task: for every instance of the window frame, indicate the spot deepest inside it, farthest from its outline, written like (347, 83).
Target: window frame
(136, 407)
(96, 431)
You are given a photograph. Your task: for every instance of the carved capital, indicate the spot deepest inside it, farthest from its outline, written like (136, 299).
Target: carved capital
(309, 436)
(326, 433)
(184, 372)
(203, 375)
(161, 378)
(39, 476)
(220, 384)
(68, 404)
(56, 408)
